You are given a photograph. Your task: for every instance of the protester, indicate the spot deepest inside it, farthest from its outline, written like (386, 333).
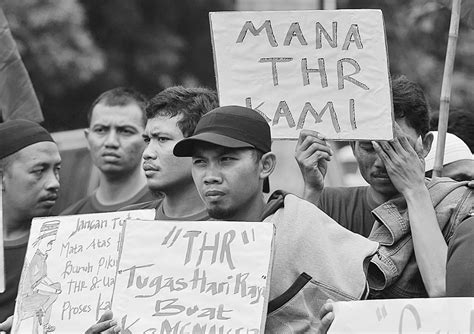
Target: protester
(171, 116)
(231, 158)
(29, 165)
(397, 196)
(116, 123)
(458, 162)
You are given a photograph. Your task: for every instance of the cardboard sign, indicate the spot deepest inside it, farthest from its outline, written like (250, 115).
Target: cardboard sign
(69, 272)
(435, 315)
(323, 70)
(194, 277)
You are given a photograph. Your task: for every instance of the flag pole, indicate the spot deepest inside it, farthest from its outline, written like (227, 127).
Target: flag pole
(446, 87)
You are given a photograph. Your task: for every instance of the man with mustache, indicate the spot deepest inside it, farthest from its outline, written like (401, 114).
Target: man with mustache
(116, 123)
(412, 218)
(29, 165)
(231, 159)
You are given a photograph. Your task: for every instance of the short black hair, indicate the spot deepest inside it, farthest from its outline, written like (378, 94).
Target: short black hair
(409, 103)
(120, 96)
(190, 103)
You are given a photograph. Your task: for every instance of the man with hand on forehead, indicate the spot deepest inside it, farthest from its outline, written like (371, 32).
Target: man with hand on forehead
(29, 165)
(412, 218)
(231, 158)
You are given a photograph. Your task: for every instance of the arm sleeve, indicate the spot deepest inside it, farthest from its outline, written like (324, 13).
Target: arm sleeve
(460, 262)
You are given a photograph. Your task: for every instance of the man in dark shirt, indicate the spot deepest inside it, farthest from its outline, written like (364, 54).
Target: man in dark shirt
(171, 116)
(29, 165)
(114, 136)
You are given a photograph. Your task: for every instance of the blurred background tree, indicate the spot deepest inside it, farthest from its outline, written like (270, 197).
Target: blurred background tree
(76, 49)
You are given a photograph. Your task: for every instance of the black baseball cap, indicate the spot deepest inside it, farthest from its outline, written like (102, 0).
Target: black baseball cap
(229, 126)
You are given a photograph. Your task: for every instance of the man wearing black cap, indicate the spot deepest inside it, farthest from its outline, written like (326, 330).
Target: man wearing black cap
(29, 165)
(315, 258)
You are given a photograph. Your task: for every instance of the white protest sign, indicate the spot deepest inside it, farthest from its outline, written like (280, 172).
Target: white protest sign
(422, 315)
(69, 272)
(194, 277)
(323, 70)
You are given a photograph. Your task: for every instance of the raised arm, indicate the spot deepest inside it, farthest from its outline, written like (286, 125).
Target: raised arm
(406, 171)
(312, 154)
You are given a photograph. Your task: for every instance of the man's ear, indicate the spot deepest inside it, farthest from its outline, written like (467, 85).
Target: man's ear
(86, 134)
(427, 141)
(267, 163)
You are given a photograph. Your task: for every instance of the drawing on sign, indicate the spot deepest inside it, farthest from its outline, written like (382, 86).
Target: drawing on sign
(69, 272)
(38, 292)
(306, 69)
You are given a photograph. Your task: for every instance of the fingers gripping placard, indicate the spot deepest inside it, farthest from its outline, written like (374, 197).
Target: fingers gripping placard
(322, 70)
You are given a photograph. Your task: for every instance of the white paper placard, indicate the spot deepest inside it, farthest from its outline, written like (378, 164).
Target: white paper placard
(69, 272)
(325, 70)
(418, 315)
(194, 277)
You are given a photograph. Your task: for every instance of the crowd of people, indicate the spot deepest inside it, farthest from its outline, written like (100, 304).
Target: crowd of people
(404, 235)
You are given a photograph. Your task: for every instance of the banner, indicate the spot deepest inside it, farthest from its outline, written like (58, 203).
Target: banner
(434, 315)
(69, 271)
(194, 277)
(323, 70)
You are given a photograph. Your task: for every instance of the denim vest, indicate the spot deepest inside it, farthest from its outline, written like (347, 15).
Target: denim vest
(393, 272)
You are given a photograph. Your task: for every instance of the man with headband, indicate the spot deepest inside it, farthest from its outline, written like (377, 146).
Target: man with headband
(29, 165)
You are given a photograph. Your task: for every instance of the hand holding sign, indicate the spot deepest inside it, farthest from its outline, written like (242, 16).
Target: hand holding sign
(105, 325)
(312, 154)
(326, 315)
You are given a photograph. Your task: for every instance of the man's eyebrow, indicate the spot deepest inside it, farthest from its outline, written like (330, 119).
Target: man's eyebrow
(100, 124)
(123, 126)
(40, 164)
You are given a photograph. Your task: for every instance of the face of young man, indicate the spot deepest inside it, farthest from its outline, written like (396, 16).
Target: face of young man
(372, 168)
(164, 171)
(31, 180)
(115, 138)
(228, 180)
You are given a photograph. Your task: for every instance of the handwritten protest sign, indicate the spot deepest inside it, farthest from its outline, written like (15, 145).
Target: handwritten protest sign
(435, 315)
(69, 272)
(321, 70)
(194, 277)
